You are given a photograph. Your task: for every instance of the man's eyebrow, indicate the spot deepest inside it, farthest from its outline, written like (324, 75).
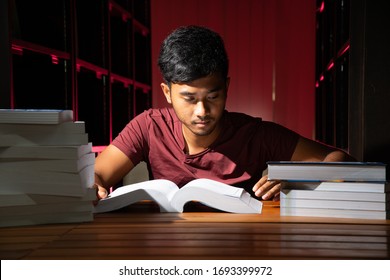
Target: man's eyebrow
(218, 88)
(186, 93)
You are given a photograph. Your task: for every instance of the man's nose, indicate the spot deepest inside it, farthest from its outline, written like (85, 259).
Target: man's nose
(201, 109)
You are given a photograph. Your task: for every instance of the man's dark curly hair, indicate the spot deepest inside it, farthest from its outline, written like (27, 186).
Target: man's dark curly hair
(192, 52)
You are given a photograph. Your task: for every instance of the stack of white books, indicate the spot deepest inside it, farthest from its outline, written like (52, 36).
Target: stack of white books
(332, 189)
(46, 168)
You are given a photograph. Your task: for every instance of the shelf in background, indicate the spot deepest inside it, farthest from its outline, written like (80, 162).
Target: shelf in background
(91, 56)
(332, 68)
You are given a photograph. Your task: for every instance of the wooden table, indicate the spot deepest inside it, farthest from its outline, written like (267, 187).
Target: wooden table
(143, 233)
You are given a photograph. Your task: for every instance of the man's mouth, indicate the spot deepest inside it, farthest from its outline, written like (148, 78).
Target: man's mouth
(205, 122)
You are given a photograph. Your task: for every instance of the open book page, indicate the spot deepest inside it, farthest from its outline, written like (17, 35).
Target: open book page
(157, 190)
(216, 195)
(216, 186)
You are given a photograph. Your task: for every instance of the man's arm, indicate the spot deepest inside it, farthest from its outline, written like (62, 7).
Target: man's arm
(306, 150)
(110, 167)
(309, 150)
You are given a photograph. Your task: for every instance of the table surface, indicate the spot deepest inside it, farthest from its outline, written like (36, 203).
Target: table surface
(141, 232)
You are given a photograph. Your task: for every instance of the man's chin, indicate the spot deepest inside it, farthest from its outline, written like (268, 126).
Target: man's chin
(202, 132)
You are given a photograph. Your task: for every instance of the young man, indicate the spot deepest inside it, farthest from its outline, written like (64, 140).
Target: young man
(197, 137)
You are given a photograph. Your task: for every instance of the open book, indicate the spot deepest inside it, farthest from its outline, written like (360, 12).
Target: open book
(172, 199)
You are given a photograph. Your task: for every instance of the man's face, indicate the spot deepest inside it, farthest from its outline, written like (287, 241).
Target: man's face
(199, 104)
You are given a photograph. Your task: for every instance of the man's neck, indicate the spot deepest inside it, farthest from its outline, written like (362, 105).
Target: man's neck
(195, 144)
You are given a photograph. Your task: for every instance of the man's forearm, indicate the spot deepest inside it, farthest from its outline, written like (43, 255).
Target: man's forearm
(338, 155)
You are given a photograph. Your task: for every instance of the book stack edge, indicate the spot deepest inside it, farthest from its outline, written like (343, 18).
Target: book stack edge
(46, 168)
(356, 190)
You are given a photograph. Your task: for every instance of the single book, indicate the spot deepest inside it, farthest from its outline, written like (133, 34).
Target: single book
(65, 139)
(334, 195)
(35, 116)
(24, 199)
(53, 217)
(365, 187)
(46, 152)
(327, 171)
(333, 213)
(28, 129)
(170, 198)
(47, 182)
(56, 165)
(30, 209)
(333, 204)
(39, 209)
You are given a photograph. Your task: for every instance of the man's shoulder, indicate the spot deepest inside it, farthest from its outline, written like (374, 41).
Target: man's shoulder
(157, 114)
(238, 118)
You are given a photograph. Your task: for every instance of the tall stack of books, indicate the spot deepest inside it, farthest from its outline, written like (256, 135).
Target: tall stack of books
(46, 168)
(332, 189)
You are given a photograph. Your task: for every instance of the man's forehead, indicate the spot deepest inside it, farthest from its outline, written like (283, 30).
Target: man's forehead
(204, 82)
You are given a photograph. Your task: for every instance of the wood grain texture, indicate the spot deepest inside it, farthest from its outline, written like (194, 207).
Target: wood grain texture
(131, 234)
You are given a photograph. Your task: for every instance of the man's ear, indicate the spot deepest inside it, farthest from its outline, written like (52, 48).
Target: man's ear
(227, 84)
(167, 92)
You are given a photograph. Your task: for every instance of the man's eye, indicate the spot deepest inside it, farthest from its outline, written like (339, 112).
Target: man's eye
(189, 99)
(212, 97)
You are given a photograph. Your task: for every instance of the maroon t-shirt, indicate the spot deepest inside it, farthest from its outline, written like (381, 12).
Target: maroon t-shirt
(238, 157)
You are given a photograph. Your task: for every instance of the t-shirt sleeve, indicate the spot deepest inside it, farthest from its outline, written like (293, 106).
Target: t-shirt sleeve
(280, 142)
(132, 140)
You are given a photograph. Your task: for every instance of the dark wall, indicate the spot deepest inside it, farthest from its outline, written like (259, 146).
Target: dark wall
(271, 44)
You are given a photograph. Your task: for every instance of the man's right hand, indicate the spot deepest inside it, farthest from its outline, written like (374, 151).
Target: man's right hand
(100, 193)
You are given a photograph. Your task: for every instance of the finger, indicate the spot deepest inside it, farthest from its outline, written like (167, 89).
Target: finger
(261, 188)
(260, 183)
(272, 191)
(100, 193)
(267, 186)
